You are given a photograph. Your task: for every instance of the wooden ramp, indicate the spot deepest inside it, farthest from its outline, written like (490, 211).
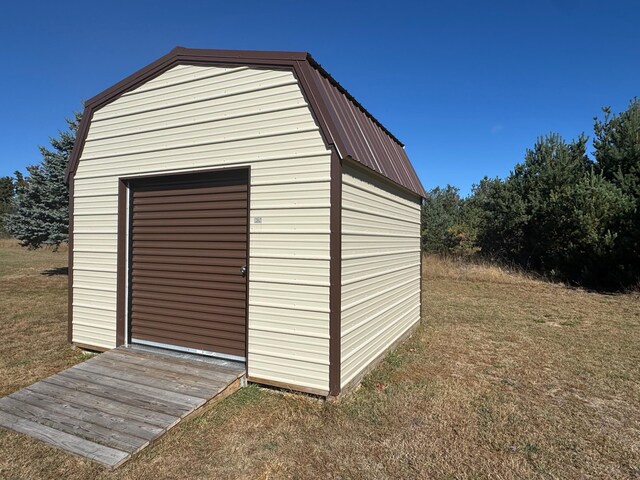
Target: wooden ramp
(117, 403)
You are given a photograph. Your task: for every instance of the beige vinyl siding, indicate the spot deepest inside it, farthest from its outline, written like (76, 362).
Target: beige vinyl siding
(195, 117)
(380, 268)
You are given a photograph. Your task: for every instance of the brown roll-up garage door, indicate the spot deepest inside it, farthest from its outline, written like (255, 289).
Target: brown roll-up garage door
(188, 246)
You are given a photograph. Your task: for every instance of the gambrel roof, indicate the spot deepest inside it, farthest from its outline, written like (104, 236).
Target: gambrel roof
(345, 124)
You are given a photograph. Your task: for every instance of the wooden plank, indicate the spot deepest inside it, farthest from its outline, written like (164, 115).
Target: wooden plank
(108, 456)
(212, 377)
(74, 426)
(144, 378)
(186, 365)
(107, 405)
(117, 394)
(159, 396)
(183, 400)
(201, 368)
(90, 414)
(119, 401)
(153, 373)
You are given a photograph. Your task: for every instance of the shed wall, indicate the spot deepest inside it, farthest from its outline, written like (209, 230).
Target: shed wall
(196, 117)
(380, 268)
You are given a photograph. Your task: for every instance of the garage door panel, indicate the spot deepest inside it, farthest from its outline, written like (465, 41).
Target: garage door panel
(189, 291)
(226, 347)
(180, 198)
(227, 323)
(206, 214)
(203, 280)
(195, 334)
(163, 298)
(196, 230)
(178, 269)
(168, 191)
(209, 237)
(189, 287)
(209, 206)
(188, 243)
(205, 223)
(189, 309)
(230, 331)
(158, 261)
(194, 252)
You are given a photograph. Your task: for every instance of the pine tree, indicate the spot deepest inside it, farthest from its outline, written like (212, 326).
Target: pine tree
(7, 190)
(555, 213)
(41, 203)
(617, 150)
(617, 147)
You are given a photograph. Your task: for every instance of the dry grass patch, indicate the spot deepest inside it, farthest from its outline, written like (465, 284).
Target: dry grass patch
(508, 377)
(33, 309)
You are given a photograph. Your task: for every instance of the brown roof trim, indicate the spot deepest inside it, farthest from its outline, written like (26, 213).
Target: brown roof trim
(325, 108)
(191, 56)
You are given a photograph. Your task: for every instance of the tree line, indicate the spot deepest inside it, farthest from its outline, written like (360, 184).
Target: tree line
(559, 212)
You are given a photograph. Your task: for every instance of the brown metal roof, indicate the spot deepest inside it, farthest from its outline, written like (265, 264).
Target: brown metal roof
(363, 138)
(344, 122)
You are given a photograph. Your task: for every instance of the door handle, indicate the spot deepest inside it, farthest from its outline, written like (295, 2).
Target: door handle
(243, 270)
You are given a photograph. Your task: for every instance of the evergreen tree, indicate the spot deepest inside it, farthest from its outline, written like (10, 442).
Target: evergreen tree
(6, 195)
(41, 203)
(617, 147)
(6, 190)
(617, 151)
(499, 215)
(556, 214)
(444, 229)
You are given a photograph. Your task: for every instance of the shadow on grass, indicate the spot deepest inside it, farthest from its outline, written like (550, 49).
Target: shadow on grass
(56, 271)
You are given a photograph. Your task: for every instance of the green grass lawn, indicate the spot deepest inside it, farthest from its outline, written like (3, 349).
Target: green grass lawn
(508, 377)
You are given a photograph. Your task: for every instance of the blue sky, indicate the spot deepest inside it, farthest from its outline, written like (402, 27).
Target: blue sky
(466, 85)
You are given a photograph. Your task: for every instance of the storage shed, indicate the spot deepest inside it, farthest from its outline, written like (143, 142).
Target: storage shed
(243, 204)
